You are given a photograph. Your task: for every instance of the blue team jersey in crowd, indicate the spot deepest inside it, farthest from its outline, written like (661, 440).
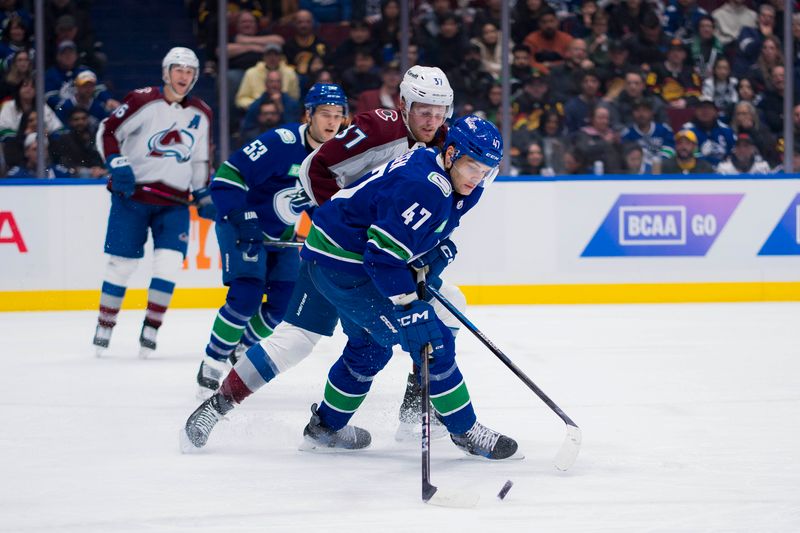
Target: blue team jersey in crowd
(714, 144)
(657, 143)
(262, 176)
(387, 218)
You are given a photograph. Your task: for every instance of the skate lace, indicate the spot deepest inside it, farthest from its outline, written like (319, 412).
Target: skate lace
(483, 437)
(207, 418)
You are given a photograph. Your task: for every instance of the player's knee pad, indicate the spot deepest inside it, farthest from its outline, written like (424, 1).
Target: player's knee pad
(120, 269)
(244, 295)
(364, 357)
(166, 263)
(453, 295)
(288, 345)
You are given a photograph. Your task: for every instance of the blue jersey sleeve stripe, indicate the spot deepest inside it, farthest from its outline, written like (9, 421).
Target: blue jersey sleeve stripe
(229, 174)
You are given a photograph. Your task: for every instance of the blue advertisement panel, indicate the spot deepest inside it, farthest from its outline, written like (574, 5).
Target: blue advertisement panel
(785, 238)
(662, 225)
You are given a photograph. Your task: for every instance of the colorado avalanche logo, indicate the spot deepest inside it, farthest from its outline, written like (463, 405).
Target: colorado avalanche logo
(172, 142)
(289, 203)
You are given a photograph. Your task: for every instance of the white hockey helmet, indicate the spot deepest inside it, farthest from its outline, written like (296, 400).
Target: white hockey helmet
(427, 85)
(180, 56)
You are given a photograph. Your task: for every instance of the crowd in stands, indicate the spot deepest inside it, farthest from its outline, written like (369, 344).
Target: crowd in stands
(598, 86)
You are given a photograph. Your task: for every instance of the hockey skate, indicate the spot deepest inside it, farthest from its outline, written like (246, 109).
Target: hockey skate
(318, 438)
(481, 441)
(102, 338)
(210, 376)
(195, 433)
(147, 340)
(410, 425)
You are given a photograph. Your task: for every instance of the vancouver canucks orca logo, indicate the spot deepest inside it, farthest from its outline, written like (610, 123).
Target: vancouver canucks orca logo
(172, 142)
(289, 203)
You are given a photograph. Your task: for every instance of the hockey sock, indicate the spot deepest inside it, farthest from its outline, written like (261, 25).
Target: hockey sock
(158, 297)
(110, 302)
(269, 314)
(344, 393)
(450, 398)
(244, 296)
(118, 272)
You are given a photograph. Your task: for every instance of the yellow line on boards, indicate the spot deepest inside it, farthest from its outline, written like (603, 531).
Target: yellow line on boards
(199, 298)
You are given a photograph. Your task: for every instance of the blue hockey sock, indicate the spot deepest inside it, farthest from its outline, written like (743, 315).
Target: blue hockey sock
(241, 303)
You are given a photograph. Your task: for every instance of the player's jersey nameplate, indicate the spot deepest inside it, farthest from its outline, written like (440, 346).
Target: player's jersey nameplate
(662, 225)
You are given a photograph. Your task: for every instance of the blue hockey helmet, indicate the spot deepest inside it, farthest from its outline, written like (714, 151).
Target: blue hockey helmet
(325, 94)
(477, 138)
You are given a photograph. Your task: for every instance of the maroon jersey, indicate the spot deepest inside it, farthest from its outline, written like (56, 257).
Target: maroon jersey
(374, 138)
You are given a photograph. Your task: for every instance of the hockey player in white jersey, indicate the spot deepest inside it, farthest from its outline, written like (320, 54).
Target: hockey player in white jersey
(156, 147)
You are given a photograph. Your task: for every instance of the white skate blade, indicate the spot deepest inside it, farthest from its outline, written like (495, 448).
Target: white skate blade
(568, 453)
(145, 353)
(100, 351)
(308, 445)
(185, 444)
(453, 499)
(518, 456)
(412, 432)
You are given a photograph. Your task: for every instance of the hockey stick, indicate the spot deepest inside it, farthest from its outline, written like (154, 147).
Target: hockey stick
(166, 195)
(430, 493)
(568, 452)
(283, 244)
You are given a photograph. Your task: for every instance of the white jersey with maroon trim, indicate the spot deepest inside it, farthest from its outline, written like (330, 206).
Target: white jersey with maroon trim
(373, 138)
(166, 143)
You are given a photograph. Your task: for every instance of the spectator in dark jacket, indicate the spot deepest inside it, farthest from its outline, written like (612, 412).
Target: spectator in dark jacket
(76, 149)
(685, 161)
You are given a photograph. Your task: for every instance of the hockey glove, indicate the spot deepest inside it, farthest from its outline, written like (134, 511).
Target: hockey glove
(418, 327)
(249, 238)
(122, 179)
(436, 259)
(205, 206)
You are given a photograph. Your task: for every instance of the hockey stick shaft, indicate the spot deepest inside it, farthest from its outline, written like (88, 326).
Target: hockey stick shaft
(166, 195)
(428, 490)
(500, 355)
(283, 244)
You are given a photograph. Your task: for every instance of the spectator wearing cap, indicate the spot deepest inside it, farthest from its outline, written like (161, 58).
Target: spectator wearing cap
(529, 104)
(744, 159)
(255, 77)
(288, 106)
(627, 16)
(68, 29)
(344, 55)
(76, 149)
(59, 80)
(656, 139)
(27, 169)
(566, 77)
(705, 47)
(683, 17)
(634, 90)
(469, 81)
(578, 109)
(649, 46)
(714, 139)
(722, 87)
(673, 80)
(304, 44)
(685, 161)
(84, 98)
(387, 96)
(548, 44)
(612, 75)
(730, 18)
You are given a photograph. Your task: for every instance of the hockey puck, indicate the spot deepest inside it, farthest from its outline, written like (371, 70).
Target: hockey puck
(505, 489)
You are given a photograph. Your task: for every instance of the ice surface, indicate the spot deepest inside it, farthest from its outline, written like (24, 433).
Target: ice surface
(689, 416)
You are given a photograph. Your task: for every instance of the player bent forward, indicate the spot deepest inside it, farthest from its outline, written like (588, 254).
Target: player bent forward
(357, 256)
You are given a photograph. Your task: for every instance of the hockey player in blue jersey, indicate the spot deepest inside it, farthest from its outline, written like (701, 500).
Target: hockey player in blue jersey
(258, 197)
(357, 256)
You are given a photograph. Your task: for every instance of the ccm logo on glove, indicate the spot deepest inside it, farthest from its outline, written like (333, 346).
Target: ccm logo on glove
(413, 318)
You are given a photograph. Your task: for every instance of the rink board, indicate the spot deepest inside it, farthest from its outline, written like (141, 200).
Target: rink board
(578, 240)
